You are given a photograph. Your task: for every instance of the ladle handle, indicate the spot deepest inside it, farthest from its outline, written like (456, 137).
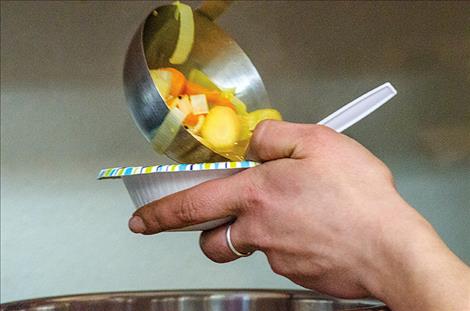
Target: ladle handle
(214, 8)
(359, 108)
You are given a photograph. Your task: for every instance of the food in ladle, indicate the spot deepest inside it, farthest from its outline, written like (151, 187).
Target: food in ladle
(184, 43)
(215, 116)
(221, 128)
(259, 115)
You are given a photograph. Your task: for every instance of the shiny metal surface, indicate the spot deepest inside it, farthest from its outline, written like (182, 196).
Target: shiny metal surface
(214, 8)
(213, 51)
(197, 300)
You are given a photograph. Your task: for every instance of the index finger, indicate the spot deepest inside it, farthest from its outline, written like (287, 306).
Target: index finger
(211, 200)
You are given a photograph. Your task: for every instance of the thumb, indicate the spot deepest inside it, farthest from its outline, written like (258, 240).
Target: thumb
(273, 140)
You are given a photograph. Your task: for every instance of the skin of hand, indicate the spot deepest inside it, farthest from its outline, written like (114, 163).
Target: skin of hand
(327, 215)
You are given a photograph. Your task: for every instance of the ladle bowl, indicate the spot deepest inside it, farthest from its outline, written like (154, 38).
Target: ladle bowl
(214, 52)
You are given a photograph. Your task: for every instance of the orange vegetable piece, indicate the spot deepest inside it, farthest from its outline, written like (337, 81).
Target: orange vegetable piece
(213, 97)
(178, 81)
(191, 119)
(222, 101)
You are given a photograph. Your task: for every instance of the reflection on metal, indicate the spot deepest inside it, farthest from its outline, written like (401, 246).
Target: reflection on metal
(214, 52)
(198, 300)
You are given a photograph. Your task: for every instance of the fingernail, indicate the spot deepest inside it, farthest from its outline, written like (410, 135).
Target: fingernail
(137, 225)
(250, 155)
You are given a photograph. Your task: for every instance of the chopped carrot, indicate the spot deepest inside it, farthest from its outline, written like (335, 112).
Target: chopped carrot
(178, 81)
(191, 119)
(213, 97)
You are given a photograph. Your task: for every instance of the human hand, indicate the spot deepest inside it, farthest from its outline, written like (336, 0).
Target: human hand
(326, 213)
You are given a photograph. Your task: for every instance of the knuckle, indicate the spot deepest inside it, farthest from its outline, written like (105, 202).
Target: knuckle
(255, 204)
(317, 140)
(259, 239)
(150, 216)
(253, 197)
(316, 134)
(187, 211)
(388, 174)
(263, 127)
(254, 234)
(262, 132)
(322, 130)
(155, 224)
(278, 267)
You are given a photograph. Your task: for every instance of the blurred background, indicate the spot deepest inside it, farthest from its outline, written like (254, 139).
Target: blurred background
(64, 117)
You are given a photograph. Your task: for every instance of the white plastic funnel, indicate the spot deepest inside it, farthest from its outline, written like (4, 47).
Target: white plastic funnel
(359, 108)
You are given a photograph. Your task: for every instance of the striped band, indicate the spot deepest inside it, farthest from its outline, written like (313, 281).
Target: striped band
(118, 172)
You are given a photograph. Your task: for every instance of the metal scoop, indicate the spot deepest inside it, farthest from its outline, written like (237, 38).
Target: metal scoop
(213, 52)
(224, 62)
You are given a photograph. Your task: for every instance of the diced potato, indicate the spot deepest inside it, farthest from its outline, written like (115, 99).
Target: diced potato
(221, 128)
(199, 103)
(183, 104)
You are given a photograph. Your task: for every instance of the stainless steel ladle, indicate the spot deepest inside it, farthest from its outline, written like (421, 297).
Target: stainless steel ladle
(214, 52)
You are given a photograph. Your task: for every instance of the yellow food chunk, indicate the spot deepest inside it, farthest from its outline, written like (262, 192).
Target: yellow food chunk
(185, 41)
(239, 105)
(259, 115)
(221, 128)
(162, 81)
(245, 132)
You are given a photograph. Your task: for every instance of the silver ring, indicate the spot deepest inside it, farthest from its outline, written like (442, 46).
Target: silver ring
(230, 244)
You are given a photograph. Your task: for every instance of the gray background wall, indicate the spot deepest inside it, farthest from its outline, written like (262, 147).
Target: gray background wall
(64, 116)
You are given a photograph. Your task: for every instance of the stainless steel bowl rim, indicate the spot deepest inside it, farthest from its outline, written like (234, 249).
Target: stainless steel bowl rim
(207, 294)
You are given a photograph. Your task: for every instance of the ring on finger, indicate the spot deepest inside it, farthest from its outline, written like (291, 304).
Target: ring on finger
(230, 244)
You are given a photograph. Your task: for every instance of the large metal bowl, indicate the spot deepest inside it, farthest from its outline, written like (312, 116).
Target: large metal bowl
(197, 300)
(213, 52)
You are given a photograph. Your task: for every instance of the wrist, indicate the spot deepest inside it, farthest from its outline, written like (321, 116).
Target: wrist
(413, 269)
